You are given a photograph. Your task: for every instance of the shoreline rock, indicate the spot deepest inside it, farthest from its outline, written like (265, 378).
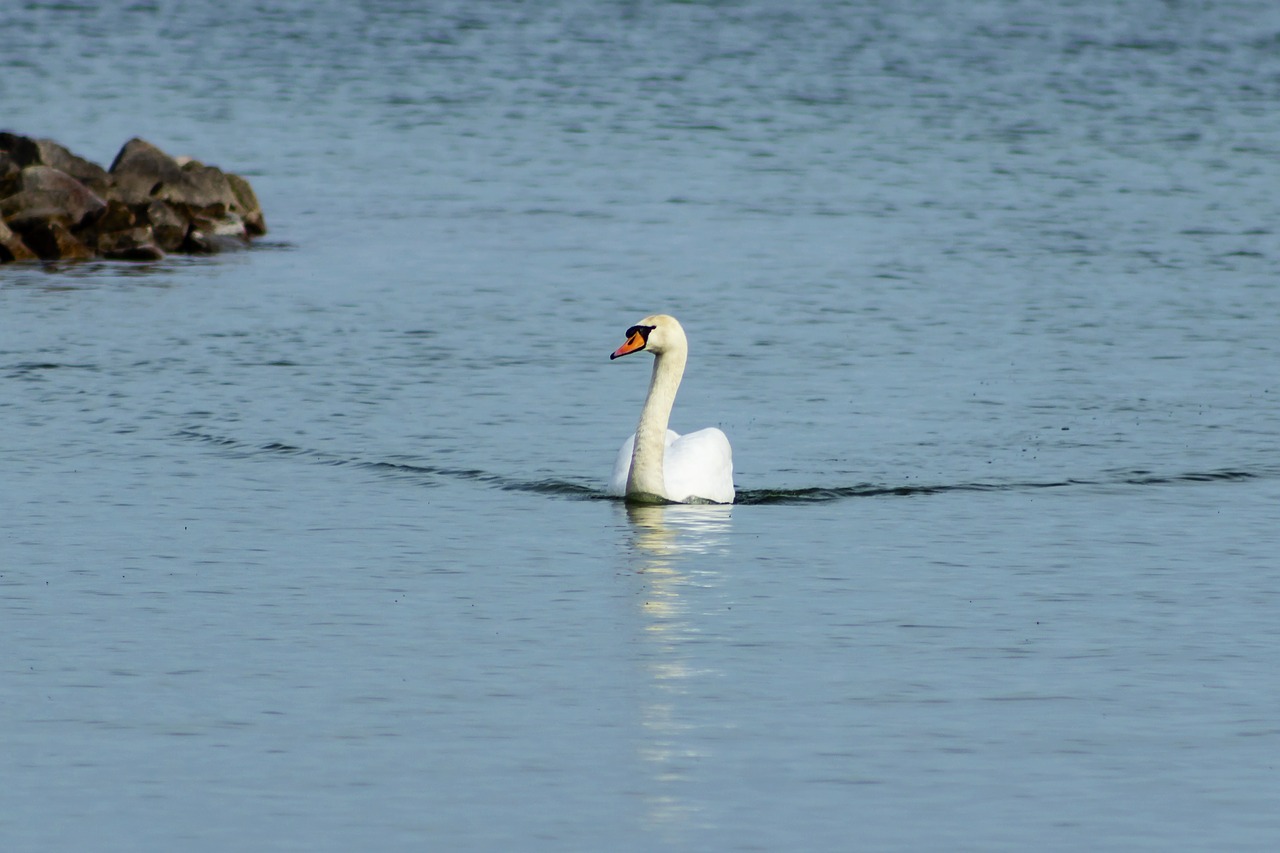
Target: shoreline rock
(55, 205)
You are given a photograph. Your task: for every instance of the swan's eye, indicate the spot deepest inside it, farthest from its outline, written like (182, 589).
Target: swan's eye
(642, 331)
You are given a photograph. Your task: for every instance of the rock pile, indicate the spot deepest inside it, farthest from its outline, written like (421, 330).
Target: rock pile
(57, 206)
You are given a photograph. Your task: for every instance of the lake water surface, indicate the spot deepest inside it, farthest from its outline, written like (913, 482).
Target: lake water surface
(306, 547)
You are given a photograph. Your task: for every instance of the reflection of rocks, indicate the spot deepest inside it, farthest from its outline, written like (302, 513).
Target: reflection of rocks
(57, 206)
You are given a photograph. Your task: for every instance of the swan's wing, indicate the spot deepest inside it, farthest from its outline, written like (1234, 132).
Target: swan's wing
(622, 464)
(699, 465)
(622, 467)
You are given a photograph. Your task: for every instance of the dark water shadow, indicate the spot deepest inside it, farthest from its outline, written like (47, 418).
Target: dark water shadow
(574, 490)
(1135, 477)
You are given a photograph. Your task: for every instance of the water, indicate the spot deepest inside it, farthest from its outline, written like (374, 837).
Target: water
(304, 547)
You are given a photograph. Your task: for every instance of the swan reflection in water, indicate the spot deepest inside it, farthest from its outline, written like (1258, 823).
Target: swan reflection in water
(668, 551)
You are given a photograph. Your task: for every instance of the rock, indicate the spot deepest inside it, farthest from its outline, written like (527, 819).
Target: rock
(249, 208)
(169, 228)
(118, 217)
(44, 193)
(140, 171)
(206, 191)
(133, 244)
(53, 242)
(26, 151)
(9, 171)
(12, 248)
(217, 235)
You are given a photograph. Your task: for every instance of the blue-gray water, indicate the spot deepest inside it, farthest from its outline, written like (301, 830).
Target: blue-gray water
(302, 548)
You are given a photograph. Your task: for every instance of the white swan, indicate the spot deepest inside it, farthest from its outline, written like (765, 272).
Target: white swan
(656, 464)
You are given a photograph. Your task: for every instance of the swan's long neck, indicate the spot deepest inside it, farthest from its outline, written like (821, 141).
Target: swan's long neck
(646, 477)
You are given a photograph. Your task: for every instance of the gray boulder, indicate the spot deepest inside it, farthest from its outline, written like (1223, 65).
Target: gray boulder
(26, 151)
(45, 193)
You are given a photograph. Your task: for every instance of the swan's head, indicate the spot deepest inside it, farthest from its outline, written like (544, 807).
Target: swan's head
(657, 333)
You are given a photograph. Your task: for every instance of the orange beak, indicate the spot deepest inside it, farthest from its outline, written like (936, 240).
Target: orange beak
(634, 343)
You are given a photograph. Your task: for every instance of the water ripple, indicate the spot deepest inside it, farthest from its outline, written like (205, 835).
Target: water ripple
(575, 490)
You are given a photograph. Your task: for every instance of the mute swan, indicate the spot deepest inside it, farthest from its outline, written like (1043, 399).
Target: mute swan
(657, 464)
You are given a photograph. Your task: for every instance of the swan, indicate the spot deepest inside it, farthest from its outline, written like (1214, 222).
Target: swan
(656, 464)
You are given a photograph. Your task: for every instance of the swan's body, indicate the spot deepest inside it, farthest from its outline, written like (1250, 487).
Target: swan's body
(657, 464)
